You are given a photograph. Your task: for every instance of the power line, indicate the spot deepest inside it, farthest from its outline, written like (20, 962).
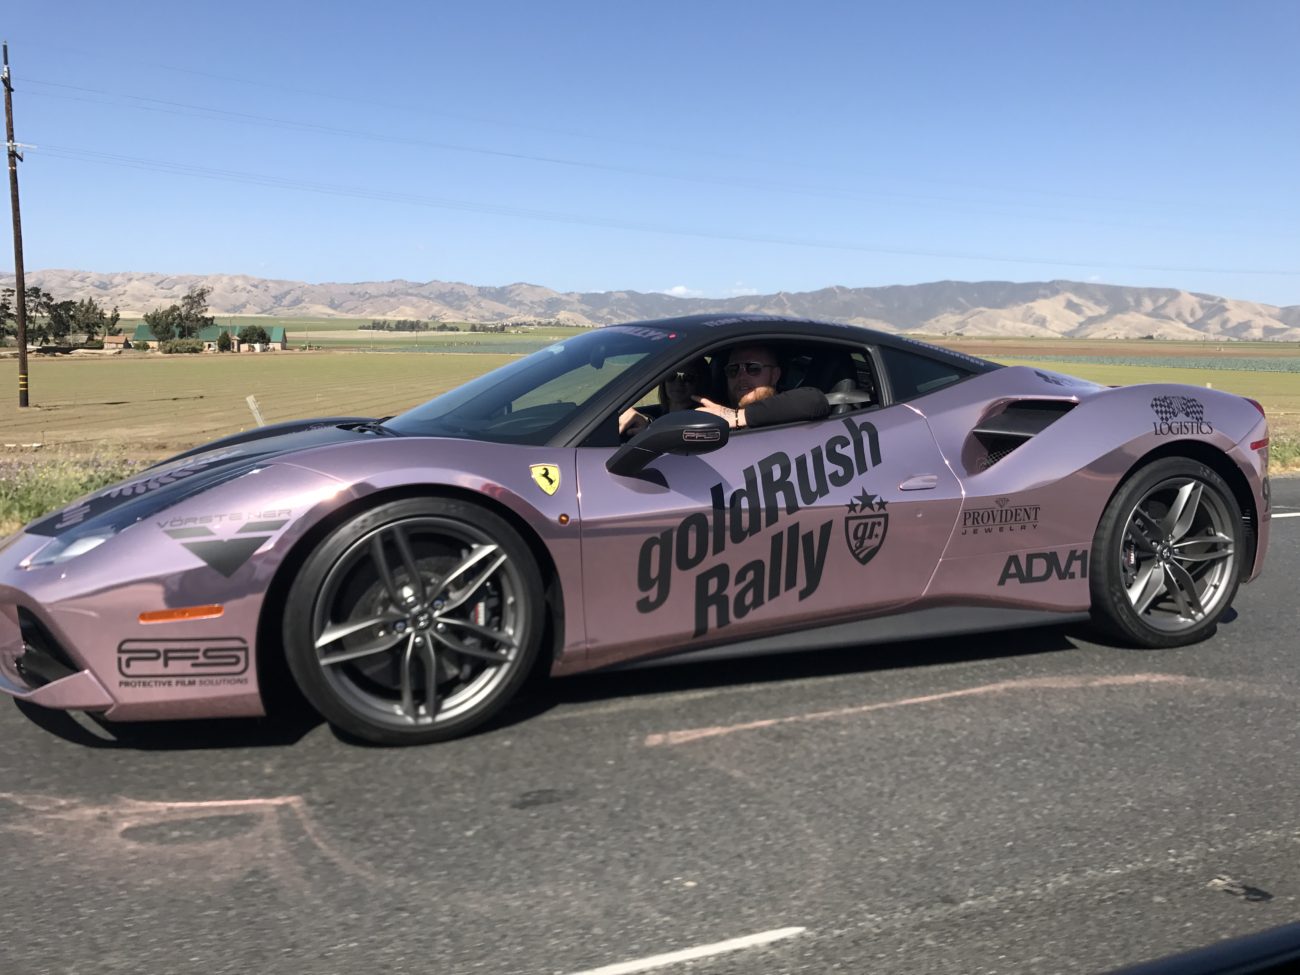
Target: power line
(330, 189)
(1016, 210)
(694, 150)
(149, 103)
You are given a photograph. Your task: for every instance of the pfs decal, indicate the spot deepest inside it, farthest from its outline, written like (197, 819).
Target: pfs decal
(1043, 566)
(865, 526)
(182, 662)
(1179, 416)
(775, 486)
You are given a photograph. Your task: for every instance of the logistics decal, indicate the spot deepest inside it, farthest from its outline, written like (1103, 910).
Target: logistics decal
(775, 486)
(1000, 518)
(1179, 416)
(865, 526)
(182, 662)
(1045, 566)
(226, 555)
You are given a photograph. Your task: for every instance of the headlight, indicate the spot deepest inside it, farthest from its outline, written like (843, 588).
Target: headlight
(67, 547)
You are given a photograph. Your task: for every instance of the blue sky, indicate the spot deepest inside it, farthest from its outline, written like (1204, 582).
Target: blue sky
(715, 148)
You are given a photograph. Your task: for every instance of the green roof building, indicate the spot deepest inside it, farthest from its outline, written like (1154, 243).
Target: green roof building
(279, 339)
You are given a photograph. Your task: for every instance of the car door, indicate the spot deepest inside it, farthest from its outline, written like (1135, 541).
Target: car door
(780, 529)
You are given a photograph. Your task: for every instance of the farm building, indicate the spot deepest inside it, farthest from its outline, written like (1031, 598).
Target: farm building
(117, 342)
(209, 336)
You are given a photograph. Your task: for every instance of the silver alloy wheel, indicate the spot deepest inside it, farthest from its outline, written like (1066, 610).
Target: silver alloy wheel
(1176, 554)
(417, 621)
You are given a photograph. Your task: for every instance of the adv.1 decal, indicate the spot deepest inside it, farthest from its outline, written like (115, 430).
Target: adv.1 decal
(1044, 566)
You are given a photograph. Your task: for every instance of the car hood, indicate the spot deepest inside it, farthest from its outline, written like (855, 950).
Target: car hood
(189, 473)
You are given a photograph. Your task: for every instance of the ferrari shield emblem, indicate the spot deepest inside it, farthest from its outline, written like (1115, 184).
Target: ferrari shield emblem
(865, 526)
(546, 477)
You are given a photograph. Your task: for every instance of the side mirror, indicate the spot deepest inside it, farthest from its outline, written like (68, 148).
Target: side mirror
(682, 432)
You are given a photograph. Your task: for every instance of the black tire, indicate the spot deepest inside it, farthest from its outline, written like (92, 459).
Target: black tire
(376, 610)
(1168, 555)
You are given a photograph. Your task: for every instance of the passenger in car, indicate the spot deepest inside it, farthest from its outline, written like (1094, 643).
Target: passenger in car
(752, 372)
(677, 392)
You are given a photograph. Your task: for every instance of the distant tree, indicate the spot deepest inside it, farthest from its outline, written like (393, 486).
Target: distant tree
(8, 314)
(194, 313)
(164, 322)
(223, 341)
(254, 333)
(60, 322)
(90, 319)
(112, 326)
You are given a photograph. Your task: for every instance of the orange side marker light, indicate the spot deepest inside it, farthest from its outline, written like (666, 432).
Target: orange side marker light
(181, 615)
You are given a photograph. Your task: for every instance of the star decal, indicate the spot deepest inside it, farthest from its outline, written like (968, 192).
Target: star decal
(866, 502)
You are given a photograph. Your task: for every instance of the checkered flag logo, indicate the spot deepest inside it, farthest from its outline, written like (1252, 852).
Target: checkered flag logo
(1166, 408)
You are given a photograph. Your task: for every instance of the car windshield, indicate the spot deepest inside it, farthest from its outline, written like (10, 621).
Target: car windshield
(528, 401)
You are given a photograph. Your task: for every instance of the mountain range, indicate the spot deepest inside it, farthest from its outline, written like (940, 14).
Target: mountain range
(1048, 309)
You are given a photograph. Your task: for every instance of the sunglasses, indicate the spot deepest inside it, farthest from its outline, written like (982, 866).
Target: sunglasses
(689, 378)
(751, 368)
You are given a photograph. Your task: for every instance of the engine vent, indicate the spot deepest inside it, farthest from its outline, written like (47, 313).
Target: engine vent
(1000, 434)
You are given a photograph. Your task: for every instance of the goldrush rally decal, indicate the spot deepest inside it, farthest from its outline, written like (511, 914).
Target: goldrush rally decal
(775, 486)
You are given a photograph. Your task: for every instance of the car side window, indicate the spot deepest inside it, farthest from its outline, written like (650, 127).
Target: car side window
(912, 375)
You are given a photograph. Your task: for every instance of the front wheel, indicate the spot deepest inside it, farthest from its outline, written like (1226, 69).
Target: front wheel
(414, 622)
(1168, 554)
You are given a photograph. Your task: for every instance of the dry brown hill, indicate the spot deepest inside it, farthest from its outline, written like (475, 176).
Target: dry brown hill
(983, 308)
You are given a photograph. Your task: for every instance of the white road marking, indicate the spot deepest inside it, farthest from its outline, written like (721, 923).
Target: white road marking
(690, 954)
(1023, 683)
(1289, 514)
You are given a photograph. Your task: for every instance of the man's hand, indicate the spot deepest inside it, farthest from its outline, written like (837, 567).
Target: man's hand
(631, 422)
(734, 418)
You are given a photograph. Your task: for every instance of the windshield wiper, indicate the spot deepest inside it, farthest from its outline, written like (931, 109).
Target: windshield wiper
(373, 426)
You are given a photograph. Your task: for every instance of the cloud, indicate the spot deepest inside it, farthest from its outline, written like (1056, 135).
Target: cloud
(740, 289)
(1094, 278)
(681, 291)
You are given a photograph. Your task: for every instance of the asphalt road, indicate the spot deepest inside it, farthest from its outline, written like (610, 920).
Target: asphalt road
(1028, 802)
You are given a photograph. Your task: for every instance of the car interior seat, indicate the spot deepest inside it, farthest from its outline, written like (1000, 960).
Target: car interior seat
(834, 372)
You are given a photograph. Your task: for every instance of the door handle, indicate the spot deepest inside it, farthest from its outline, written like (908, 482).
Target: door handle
(920, 482)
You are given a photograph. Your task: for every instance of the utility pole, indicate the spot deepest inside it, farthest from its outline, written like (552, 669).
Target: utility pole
(20, 283)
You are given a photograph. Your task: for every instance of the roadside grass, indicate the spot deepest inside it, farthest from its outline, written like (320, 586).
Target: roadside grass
(32, 485)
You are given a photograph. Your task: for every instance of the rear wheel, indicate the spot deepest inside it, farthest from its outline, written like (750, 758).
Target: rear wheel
(415, 621)
(1167, 558)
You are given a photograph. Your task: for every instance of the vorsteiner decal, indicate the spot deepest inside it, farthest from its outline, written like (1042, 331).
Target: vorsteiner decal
(226, 555)
(773, 487)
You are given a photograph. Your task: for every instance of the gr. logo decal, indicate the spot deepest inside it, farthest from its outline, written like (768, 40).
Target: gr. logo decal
(546, 477)
(865, 526)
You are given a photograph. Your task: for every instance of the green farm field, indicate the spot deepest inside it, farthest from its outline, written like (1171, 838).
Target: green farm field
(97, 418)
(152, 405)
